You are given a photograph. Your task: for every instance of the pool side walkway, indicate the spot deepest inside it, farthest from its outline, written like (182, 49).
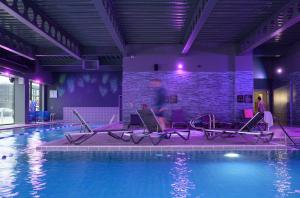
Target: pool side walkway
(197, 141)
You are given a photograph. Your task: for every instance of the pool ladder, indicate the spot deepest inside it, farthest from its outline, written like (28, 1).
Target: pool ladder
(294, 144)
(211, 121)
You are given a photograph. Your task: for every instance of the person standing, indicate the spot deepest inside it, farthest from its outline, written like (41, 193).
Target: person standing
(159, 101)
(260, 105)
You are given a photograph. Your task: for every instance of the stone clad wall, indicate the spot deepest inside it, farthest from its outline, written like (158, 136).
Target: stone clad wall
(244, 85)
(197, 92)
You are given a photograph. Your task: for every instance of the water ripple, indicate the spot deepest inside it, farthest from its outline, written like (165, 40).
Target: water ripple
(180, 173)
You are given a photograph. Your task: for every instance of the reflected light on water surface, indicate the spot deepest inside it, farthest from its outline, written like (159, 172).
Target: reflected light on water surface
(8, 170)
(282, 181)
(181, 185)
(35, 161)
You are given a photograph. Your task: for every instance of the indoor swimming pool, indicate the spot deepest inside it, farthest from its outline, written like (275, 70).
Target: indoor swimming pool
(25, 172)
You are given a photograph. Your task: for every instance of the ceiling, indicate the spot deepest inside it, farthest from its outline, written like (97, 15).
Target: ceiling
(154, 21)
(232, 20)
(142, 22)
(280, 44)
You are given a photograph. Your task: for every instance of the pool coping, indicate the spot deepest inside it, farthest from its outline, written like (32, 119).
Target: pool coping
(133, 148)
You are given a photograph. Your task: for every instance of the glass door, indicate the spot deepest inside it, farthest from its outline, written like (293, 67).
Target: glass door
(6, 100)
(35, 97)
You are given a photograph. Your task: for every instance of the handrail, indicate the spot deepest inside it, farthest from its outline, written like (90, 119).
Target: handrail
(210, 120)
(285, 132)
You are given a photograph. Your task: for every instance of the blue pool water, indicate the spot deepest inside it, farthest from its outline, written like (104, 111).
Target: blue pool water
(29, 173)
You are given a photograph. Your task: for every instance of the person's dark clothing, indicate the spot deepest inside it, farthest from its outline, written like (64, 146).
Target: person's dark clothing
(159, 101)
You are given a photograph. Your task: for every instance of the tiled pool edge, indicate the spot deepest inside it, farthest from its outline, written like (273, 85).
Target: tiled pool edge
(161, 148)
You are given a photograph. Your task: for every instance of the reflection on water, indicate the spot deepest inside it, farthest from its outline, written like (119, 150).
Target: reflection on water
(181, 185)
(282, 181)
(35, 161)
(8, 170)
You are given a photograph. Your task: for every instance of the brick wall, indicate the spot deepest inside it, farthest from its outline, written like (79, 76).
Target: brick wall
(197, 92)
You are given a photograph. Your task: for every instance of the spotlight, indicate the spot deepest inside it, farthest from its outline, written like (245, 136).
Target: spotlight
(232, 155)
(180, 66)
(279, 70)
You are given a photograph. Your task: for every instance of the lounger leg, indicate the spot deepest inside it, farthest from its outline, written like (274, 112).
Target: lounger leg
(183, 137)
(71, 141)
(258, 138)
(113, 135)
(156, 142)
(168, 136)
(69, 138)
(209, 136)
(136, 141)
(268, 138)
(77, 142)
(271, 137)
(82, 137)
(125, 140)
(110, 133)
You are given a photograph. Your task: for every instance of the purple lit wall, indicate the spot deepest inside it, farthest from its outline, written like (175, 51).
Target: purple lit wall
(288, 91)
(100, 89)
(197, 93)
(208, 82)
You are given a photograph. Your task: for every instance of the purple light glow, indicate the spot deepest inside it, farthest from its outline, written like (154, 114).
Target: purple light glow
(7, 74)
(279, 70)
(38, 81)
(180, 66)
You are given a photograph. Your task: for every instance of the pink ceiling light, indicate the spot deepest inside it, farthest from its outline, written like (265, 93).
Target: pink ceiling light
(180, 66)
(38, 81)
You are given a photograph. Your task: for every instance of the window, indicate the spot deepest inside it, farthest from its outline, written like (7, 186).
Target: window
(35, 97)
(6, 100)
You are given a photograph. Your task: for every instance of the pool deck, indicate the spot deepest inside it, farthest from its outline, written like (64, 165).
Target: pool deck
(197, 141)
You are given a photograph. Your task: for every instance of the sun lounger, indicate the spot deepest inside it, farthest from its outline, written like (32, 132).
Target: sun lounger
(87, 132)
(249, 128)
(154, 131)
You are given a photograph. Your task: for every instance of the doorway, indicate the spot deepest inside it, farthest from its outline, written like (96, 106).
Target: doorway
(7, 99)
(35, 97)
(265, 96)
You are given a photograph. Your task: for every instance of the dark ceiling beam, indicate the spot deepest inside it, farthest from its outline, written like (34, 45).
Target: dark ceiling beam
(14, 66)
(202, 12)
(273, 27)
(16, 45)
(62, 65)
(105, 10)
(30, 15)
(85, 51)
(271, 50)
(78, 68)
